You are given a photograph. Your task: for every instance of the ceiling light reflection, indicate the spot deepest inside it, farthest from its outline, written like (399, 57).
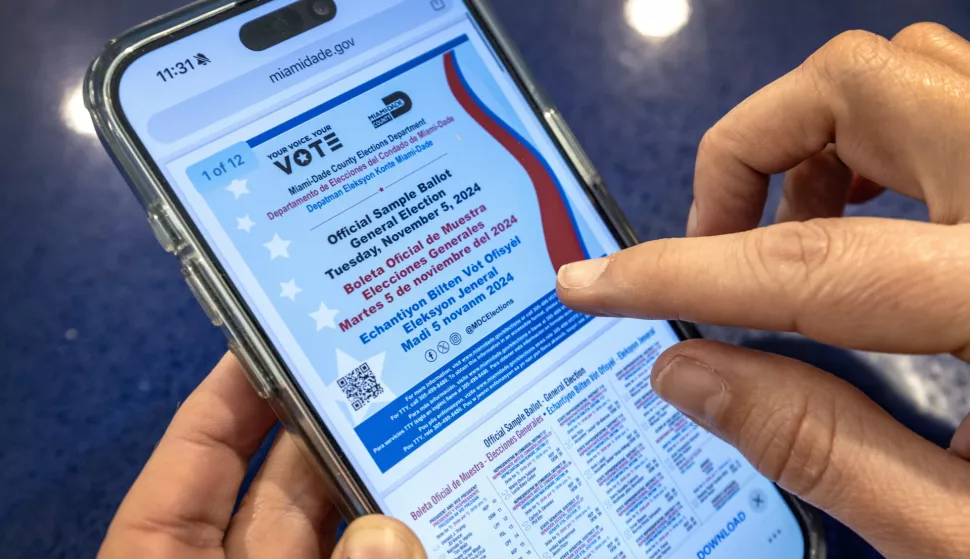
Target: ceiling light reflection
(74, 113)
(657, 19)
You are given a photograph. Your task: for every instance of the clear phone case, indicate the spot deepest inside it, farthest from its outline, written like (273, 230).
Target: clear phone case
(219, 299)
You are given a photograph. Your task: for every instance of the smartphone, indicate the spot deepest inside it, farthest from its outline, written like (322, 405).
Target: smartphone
(372, 199)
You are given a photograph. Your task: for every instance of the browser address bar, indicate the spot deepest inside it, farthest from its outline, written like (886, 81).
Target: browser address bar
(241, 92)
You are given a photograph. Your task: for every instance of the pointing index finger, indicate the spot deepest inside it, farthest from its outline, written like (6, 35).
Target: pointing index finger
(865, 283)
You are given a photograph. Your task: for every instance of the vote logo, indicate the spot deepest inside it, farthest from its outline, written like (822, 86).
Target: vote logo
(302, 151)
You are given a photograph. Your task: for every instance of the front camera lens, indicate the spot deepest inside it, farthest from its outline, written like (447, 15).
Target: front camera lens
(322, 8)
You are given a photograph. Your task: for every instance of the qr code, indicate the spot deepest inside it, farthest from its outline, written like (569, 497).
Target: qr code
(360, 386)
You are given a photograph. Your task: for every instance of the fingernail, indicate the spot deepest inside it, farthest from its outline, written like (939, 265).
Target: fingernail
(373, 543)
(692, 220)
(581, 274)
(693, 388)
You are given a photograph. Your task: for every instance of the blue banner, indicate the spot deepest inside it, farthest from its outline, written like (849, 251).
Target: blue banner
(428, 408)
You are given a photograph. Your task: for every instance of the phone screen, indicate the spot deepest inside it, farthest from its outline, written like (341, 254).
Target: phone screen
(393, 211)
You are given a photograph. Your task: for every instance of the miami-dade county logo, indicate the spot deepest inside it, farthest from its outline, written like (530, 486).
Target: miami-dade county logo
(395, 105)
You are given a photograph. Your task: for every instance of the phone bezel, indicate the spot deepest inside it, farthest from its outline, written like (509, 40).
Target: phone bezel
(154, 192)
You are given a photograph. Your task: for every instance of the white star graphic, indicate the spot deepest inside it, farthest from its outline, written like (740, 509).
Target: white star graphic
(301, 158)
(278, 247)
(347, 364)
(238, 188)
(324, 317)
(244, 223)
(290, 290)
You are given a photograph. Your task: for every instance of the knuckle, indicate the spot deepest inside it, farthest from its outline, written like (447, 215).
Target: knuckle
(789, 253)
(202, 439)
(660, 261)
(920, 34)
(853, 54)
(724, 146)
(709, 142)
(721, 139)
(792, 444)
(192, 532)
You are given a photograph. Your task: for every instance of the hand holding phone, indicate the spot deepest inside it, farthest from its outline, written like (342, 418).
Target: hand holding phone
(184, 503)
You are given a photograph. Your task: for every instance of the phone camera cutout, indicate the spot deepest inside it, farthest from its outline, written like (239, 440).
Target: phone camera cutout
(286, 23)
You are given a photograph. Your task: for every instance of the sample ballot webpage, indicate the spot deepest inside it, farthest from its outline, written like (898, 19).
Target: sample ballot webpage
(397, 233)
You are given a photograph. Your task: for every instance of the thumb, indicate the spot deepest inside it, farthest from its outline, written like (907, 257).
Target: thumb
(821, 439)
(378, 537)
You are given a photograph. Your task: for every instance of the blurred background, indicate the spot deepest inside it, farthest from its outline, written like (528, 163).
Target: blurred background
(100, 339)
